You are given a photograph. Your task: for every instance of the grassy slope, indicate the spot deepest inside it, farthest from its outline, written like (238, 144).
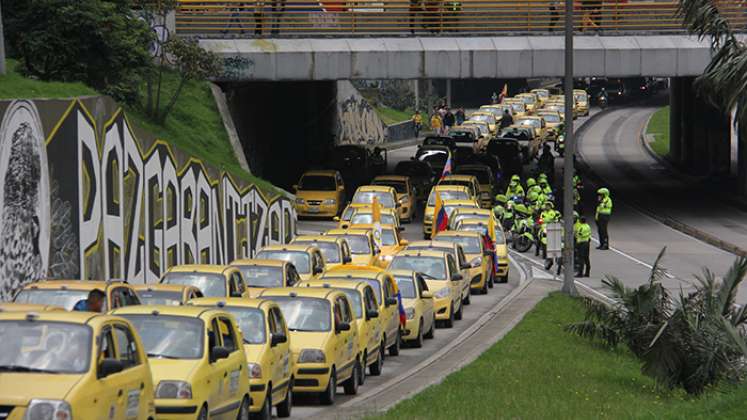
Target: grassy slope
(540, 371)
(392, 116)
(194, 125)
(658, 126)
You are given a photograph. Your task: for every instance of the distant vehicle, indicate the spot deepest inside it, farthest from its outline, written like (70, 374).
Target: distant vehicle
(354, 163)
(434, 156)
(508, 152)
(440, 141)
(420, 174)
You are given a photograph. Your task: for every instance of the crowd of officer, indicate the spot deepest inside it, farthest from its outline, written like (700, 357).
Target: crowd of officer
(528, 206)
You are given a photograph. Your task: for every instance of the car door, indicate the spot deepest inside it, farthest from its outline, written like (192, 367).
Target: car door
(456, 286)
(281, 351)
(231, 367)
(427, 302)
(218, 368)
(351, 335)
(374, 324)
(392, 317)
(113, 387)
(136, 376)
(462, 262)
(340, 345)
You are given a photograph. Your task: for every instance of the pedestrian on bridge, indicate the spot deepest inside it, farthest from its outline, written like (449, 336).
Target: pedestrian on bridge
(582, 232)
(603, 214)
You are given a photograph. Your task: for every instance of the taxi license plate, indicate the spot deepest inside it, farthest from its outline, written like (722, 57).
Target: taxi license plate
(313, 209)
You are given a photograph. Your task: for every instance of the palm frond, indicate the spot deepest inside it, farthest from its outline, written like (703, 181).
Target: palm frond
(618, 290)
(657, 271)
(727, 293)
(703, 18)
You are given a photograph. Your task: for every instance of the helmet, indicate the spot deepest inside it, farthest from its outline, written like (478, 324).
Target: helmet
(549, 204)
(531, 182)
(515, 178)
(575, 215)
(542, 176)
(520, 208)
(603, 191)
(501, 198)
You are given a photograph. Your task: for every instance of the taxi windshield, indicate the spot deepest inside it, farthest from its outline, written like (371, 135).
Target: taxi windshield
(355, 301)
(57, 297)
(552, 118)
(430, 267)
(462, 216)
(482, 228)
(398, 186)
(169, 337)
(366, 197)
(470, 244)
(580, 97)
(299, 259)
(347, 213)
(406, 287)
(262, 275)
(388, 238)
(359, 244)
(304, 313)
(447, 195)
(330, 251)
(484, 118)
(160, 297)
(528, 99)
(451, 207)
(251, 321)
(367, 219)
(210, 284)
(531, 122)
(317, 183)
(44, 347)
(518, 107)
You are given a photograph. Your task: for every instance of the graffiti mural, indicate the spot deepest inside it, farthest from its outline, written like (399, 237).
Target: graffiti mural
(86, 195)
(357, 120)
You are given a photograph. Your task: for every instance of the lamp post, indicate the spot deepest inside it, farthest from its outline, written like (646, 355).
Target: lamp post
(569, 286)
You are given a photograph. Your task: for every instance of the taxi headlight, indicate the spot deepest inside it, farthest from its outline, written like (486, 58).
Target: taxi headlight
(329, 201)
(49, 410)
(300, 201)
(442, 293)
(311, 356)
(410, 312)
(179, 390)
(255, 370)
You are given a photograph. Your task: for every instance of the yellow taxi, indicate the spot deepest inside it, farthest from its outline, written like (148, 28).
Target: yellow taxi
(320, 194)
(366, 311)
(335, 250)
(323, 340)
(67, 293)
(582, 102)
(470, 213)
(56, 365)
(443, 277)
(212, 280)
(385, 290)
(166, 294)
(28, 307)
(307, 260)
(451, 205)
(483, 128)
(468, 181)
(542, 95)
(485, 179)
(555, 107)
(391, 242)
(554, 123)
(405, 194)
(267, 350)
(262, 274)
(446, 192)
(530, 100)
(364, 215)
(478, 258)
(456, 251)
(196, 358)
(518, 106)
(418, 303)
(536, 122)
(499, 241)
(363, 251)
(486, 117)
(386, 195)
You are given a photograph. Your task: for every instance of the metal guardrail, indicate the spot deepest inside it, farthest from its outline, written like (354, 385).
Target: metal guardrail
(334, 18)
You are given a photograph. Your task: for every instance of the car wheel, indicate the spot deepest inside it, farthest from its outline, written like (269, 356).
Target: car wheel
(265, 413)
(328, 396)
(491, 280)
(351, 385)
(362, 376)
(394, 348)
(484, 290)
(375, 369)
(449, 323)
(426, 236)
(467, 300)
(418, 342)
(458, 315)
(284, 408)
(203, 413)
(431, 332)
(243, 410)
(504, 279)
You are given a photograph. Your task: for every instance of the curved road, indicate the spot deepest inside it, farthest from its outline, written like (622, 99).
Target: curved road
(610, 145)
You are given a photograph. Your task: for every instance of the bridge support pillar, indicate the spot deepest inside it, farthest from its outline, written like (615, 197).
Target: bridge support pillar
(742, 159)
(448, 93)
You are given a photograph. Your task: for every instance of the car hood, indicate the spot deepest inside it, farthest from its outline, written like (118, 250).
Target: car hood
(315, 195)
(501, 250)
(255, 352)
(20, 388)
(436, 285)
(300, 340)
(172, 369)
(361, 259)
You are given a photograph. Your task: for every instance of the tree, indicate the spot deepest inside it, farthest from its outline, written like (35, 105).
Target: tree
(99, 42)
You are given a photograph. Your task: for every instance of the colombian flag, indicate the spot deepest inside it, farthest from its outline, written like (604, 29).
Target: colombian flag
(402, 313)
(504, 93)
(440, 218)
(447, 167)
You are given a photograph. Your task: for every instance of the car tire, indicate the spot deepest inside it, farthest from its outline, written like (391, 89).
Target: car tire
(418, 341)
(449, 323)
(285, 407)
(467, 300)
(328, 396)
(375, 369)
(362, 376)
(244, 410)
(504, 279)
(458, 315)
(484, 290)
(265, 413)
(491, 281)
(351, 385)
(426, 236)
(203, 413)
(432, 331)
(394, 348)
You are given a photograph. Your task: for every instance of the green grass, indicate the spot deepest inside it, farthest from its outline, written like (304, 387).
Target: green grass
(392, 116)
(540, 371)
(194, 125)
(658, 127)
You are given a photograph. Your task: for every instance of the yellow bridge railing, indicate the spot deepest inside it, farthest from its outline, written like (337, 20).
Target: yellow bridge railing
(334, 18)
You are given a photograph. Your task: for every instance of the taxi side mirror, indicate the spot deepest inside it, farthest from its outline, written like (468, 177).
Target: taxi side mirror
(109, 367)
(476, 262)
(342, 326)
(456, 277)
(336, 219)
(426, 295)
(404, 242)
(371, 314)
(347, 259)
(218, 353)
(278, 339)
(318, 270)
(391, 301)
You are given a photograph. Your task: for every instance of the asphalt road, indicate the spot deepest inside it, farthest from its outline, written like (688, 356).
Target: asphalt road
(409, 357)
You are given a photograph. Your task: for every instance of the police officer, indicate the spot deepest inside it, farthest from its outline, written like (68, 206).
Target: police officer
(514, 188)
(583, 240)
(603, 214)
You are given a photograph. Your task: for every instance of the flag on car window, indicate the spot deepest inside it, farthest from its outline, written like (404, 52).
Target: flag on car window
(447, 167)
(376, 216)
(401, 307)
(440, 219)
